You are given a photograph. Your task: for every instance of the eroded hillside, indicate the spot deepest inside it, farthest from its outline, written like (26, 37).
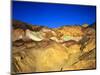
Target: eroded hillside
(41, 49)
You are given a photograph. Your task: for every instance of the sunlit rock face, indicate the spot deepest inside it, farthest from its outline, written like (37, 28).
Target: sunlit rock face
(42, 49)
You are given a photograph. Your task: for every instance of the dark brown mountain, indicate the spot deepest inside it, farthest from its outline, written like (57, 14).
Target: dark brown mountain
(93, 25)
(22, 25)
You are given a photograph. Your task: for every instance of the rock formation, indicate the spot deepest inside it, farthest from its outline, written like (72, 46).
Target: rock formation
(42, 49)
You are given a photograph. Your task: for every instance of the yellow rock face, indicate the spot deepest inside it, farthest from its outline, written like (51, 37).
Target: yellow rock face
(91, 44)
(82, 65)
(51, 58)
(71, 31)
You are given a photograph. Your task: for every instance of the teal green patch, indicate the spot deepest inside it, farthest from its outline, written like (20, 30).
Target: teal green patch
(66, 37)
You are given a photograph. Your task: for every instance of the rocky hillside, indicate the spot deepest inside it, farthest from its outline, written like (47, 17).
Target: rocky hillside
(42, 49)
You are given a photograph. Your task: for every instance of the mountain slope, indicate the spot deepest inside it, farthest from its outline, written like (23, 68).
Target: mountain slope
(42, 49)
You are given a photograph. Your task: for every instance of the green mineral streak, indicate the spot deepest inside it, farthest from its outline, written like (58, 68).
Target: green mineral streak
(66, 37)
